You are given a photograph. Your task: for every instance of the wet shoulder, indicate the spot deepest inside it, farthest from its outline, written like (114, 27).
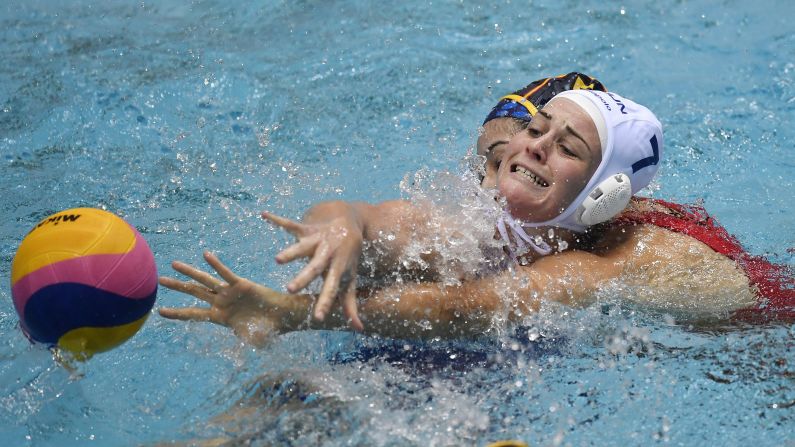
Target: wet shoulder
(675, 272)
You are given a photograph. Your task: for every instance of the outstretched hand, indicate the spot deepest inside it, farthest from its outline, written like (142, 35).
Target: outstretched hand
(253, 311)
(333, 248)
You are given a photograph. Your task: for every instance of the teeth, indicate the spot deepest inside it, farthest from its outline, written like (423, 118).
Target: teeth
(531, 176)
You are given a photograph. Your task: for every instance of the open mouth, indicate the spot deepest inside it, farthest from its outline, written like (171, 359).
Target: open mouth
(527, 173)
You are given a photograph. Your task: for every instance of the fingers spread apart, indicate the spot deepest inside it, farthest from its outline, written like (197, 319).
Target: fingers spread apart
(304, 248)
(293, 227)
(220, 268)
(186, 313)
(199, 291)
(200, 276)
(349, 307)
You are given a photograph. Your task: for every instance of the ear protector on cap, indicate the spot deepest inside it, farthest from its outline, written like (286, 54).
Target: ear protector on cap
(606, 200)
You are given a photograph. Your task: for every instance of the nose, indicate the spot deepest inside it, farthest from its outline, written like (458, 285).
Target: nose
(538, 148)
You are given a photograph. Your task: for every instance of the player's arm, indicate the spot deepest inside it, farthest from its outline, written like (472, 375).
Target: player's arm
(415, 310)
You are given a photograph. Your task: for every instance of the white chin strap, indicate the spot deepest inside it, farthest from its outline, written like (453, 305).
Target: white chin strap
(506, 223)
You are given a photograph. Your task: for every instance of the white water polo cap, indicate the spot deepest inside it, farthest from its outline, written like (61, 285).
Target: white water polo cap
(632, 145)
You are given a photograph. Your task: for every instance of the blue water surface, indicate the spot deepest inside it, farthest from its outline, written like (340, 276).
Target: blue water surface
(188, 118)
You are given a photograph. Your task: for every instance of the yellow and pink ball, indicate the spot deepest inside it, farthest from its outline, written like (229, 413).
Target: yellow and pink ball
(84, 280)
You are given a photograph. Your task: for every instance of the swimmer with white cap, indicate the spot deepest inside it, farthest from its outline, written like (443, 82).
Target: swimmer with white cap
(577, 164)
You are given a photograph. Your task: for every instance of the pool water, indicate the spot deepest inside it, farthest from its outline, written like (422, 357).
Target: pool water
(188, 118)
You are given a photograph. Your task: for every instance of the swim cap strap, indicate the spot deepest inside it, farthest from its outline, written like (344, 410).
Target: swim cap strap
(521, 240)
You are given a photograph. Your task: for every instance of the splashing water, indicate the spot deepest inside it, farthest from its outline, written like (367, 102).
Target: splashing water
(188, 119)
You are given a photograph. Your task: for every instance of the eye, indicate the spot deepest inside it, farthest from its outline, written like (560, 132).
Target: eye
(568, 152)
(533, 132)
(494, 162)
(494, 158)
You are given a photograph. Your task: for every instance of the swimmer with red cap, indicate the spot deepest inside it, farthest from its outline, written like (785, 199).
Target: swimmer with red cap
(566, 182)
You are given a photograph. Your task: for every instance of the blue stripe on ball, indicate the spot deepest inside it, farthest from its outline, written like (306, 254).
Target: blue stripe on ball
(57, 309)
